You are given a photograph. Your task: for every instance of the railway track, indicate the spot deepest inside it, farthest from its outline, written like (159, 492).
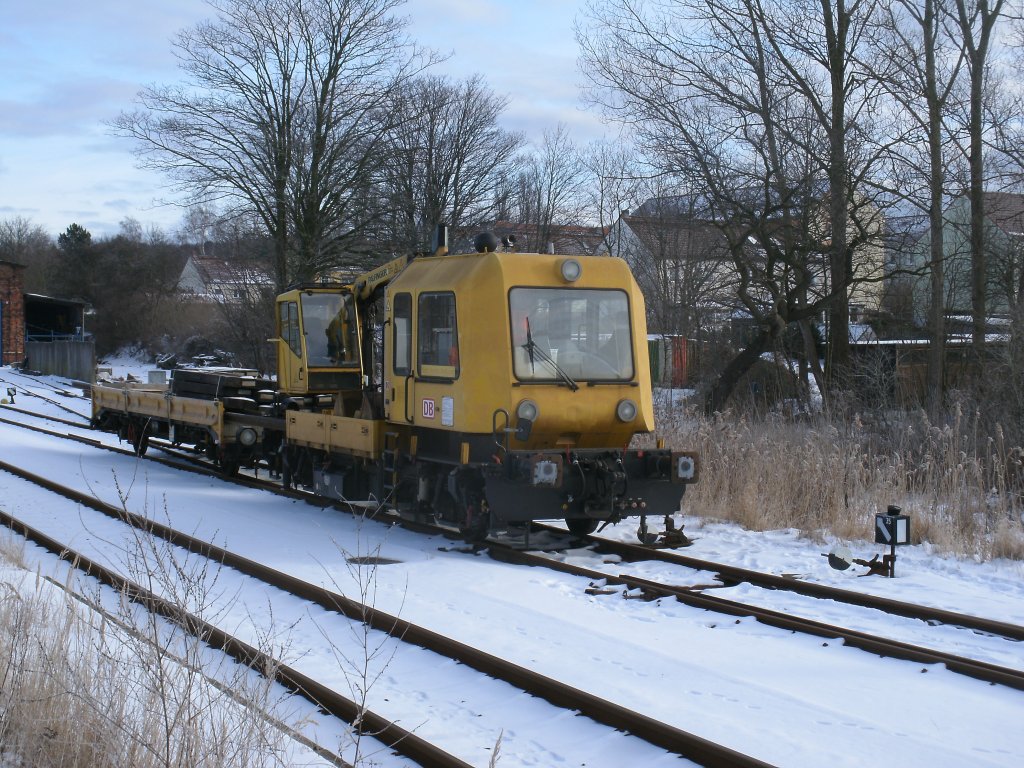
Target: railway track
(29, 393)
(404, 742)
(729, 575)
(685, 744)
(981, 670)
(692, 596)
(83, 421)
(732, 575)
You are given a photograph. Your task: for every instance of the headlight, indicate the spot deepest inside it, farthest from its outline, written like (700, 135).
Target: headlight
(246, 436)
(626, 410)
(528, 410)
(571, 270)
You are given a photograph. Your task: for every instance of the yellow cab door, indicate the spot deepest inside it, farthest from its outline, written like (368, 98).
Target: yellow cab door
(399, 385)
(291, 367)
(422, 364)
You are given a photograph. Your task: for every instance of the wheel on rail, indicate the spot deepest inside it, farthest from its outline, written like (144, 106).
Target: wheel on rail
(581, 526)
(476, 526)
(643, 534)
(139, 439)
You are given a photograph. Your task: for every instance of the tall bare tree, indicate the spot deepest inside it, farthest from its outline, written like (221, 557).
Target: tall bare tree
(919, 40)
(762, 107)
(447, 157)
(615, 185)
(23, 242)
(281, 114)
(977, 19)
(549, 190)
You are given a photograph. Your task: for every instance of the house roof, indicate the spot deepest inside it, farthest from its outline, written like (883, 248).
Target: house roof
(673, 237)
(1006, 211)
(213, 271)
(41, 299)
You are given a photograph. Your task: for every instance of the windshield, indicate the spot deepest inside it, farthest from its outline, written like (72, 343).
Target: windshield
(328, 321)
(570, 332)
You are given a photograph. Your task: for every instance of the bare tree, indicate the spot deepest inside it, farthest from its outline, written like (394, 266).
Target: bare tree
(23, 242)
(549, 190)
(925, 60)
(281, 114)
(446, 157)
(615, 184)
(977, 19)
(759, 106)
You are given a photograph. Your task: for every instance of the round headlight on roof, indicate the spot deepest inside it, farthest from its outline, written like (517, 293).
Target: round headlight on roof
(527, 409)
(570, 270)
(626, 410)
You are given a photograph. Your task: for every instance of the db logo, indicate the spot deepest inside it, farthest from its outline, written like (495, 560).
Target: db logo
(428, 409)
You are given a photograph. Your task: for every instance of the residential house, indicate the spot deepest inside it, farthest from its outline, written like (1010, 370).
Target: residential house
(211, 278)
(1004, 239)
(679, 252)
(683, 267)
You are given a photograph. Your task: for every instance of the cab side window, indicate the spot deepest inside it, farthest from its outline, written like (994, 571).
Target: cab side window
(438, 340)
(402, 325)
(289, 319)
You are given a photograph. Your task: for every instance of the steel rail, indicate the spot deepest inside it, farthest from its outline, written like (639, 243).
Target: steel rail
(402, 741)
(629, 552)
(734, 574)
(981, 670)
(885, 647)
(44, 398)
(560, 694)
(81, 424)
(39, 380)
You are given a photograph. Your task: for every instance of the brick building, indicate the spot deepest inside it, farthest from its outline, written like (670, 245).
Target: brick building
(12, 313)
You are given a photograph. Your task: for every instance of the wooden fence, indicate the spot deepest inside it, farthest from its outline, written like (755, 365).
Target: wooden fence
(74, 359)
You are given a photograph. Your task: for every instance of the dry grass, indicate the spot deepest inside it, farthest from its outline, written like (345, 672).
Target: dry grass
(82, 688)
(964, 489)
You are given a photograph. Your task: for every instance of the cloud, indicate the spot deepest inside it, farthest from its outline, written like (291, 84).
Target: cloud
(454, 12)
(69, 67)
(70, 107)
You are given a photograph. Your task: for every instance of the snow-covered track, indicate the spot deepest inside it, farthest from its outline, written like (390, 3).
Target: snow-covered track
(685, 744)
(981, 670)
(43, 380)
(83, 421)
(730, 574)
(404, 742)
(727, 574)
(22, 391)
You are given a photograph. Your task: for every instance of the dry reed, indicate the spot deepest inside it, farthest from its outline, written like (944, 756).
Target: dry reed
(81, 688)
(963, 487)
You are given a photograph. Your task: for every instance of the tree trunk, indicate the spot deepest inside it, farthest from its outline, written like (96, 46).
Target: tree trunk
(937, 312)
(724, 386)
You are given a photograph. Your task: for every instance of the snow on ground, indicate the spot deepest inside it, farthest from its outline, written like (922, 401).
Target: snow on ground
(787, 699)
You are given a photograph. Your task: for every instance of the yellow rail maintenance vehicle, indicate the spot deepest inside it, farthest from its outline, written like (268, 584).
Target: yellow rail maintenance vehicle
(485, 390)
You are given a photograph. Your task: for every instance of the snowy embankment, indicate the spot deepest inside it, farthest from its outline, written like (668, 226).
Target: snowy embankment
(786, 699)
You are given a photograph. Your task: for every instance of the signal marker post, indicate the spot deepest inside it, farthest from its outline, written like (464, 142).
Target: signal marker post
(893, 529)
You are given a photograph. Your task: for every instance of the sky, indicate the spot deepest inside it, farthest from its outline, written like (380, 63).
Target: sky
(784, 698)
(69, 68)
